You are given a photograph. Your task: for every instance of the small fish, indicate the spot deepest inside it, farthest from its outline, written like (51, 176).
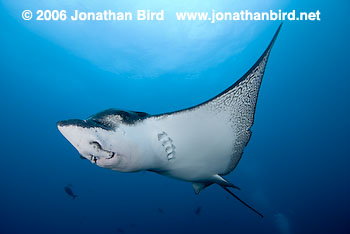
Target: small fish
(198, 210)
(69, 191)
(160, 210)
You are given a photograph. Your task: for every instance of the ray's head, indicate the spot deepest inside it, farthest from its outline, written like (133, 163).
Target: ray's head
(105, 139)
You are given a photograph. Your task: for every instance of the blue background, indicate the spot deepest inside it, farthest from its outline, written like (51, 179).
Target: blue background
(295, 170)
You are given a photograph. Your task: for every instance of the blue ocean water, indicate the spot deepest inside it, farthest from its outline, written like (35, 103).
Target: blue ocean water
(295, 169)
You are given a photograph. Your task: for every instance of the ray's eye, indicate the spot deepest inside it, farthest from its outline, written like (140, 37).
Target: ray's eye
(98, 122)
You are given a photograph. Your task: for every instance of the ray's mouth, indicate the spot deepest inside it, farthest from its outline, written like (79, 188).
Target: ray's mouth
(97, 146)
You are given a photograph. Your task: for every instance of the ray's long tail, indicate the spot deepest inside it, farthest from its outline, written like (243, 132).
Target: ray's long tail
(235, 196)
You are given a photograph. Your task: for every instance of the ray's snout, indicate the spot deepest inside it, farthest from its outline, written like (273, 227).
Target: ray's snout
(75, 131)
(67, 127)
(62, 123)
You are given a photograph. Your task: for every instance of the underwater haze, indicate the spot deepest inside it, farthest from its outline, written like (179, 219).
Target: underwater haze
(294, 170)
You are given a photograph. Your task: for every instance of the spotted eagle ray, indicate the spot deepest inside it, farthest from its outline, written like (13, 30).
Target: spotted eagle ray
(200, 144)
